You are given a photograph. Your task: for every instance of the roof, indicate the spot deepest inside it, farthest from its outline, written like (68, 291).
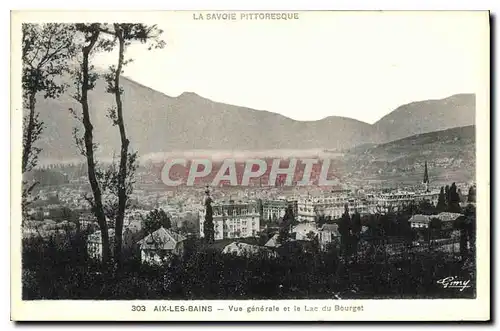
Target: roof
(420, 219)
(243, 248)
(447, 217)
(333, 228)
(443, 217)
(273, 242)
(329, 227)
(221, 243)
(161, 239)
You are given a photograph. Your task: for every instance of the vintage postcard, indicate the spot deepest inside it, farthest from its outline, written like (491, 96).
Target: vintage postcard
(250, 166)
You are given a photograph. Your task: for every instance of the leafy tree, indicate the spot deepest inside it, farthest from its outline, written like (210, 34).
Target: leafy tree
(435, 227)
(356, 223)
(154, 220)
(460, 224)
(310, 235)
(45, 51)
(345, 229)
(387, 224)
(471, 197)
(405, 229)
(263, 238)
(283, 235)
(426, 177)
(441, 204)
(286, 225)
(112, 186)
(447, 195)
(321, 220)
(124, 34)
(426, 207)
(410, 208)
(454, 204)
(356, 230)
(260, 208)
(85, 79)
(470, 225)
(289, 218)
(208, 225)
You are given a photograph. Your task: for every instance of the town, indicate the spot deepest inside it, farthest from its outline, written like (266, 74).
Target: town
(162, 227)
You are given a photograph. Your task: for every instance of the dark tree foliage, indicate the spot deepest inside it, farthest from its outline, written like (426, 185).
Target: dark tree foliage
(462, 226)
(283, 235)
(345, 230)
(321, 220)
(454, 202)
(411, 208)
(356, 231)
(345, 222)
(435, 227)
(426, 175)
(52, 271)
(208, 225)
(356, 224)
(60, 270)
(286, 225)
(447, 195)
(154, 220)
(426, 207)
(470, 225)
(386, 223)
(405, 230)
(441, 204)
(471, 197)
(289, 217)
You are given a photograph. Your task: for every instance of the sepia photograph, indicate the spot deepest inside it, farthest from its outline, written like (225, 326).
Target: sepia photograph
(285, 162)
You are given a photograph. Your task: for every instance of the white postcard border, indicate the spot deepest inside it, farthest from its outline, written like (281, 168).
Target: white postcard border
(387, 309)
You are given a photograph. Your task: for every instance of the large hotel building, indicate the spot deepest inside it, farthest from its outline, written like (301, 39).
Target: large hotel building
(233, 219)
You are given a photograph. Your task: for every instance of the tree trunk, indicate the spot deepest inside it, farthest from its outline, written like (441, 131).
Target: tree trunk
(29, 135)
(122, 174)
(97, 207)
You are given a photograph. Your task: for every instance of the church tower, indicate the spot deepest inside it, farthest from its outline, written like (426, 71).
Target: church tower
(426, 178)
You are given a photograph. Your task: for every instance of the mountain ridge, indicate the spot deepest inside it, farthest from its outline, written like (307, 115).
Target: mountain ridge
(156, 122)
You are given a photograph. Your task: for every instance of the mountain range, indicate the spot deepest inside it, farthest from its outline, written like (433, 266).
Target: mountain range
(156, 122)
(450, 155)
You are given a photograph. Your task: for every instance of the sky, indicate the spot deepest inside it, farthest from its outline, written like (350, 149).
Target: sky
(360, 65)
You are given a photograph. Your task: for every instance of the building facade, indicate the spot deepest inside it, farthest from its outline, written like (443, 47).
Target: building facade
(331, 205)
(233, 220)
(274, 210)
(94, 244)
(161, 246)
(328, 235)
